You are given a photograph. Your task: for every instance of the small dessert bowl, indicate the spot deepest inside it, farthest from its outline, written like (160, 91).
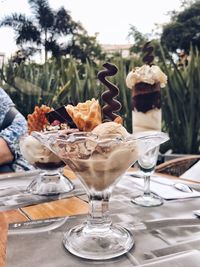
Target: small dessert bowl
(50, 181)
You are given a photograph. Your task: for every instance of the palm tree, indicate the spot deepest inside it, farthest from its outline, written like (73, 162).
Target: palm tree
(42, 29)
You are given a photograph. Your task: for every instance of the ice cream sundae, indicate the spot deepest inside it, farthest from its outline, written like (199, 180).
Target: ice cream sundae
(99, 153)
(103, 155)
(49, 122)
(146, 82)
(33, 151)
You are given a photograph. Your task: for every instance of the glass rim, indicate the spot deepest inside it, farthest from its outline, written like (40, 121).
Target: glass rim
(146, 135)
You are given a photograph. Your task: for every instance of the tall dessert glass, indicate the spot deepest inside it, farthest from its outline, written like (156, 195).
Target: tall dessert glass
(99, 163)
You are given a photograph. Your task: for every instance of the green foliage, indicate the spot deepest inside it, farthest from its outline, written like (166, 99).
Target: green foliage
(139, 39)
(181, 104)
(183, 30)
(66, 81)
(85, 48)
(61, 82)
(29, 85)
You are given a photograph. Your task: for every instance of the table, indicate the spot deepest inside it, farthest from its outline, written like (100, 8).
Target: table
(59, 208)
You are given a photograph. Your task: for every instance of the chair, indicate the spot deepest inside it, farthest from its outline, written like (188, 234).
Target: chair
(178, 166)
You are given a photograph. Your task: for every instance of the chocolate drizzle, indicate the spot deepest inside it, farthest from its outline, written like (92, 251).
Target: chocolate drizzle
(109, 96)
(148, 54)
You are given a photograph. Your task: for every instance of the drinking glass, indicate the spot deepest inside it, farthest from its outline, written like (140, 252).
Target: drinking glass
(50, 180)
(147, 163)
(99, 163)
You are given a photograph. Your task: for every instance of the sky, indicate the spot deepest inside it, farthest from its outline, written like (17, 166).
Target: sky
(111, 19)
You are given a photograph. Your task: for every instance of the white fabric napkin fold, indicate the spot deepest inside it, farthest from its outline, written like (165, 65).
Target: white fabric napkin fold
(164, 188)
(193, 173)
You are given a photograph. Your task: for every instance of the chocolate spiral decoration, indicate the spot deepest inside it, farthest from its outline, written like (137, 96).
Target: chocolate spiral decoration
(109, 96)
(148, 57)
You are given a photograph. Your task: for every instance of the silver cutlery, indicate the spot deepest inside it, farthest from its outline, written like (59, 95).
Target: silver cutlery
(183, 187)
(179, 186)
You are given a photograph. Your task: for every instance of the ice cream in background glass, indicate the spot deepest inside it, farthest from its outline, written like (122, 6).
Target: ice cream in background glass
(99, 154)
(50, 181)
(146, 83)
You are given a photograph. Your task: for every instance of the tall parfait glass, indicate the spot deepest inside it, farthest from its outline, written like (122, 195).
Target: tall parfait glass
(99, 163)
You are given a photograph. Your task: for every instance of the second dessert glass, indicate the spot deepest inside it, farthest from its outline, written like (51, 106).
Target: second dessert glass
(147, 163)
(99, 163)
(50, 180)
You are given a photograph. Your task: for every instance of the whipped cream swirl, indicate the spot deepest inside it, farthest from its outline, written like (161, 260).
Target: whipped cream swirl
(147, 74)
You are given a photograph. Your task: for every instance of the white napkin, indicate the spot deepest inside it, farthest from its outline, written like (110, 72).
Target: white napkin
(163, 187)
(193, 173)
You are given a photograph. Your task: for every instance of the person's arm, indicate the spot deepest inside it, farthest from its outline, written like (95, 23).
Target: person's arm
(9, 139)
(6, 156)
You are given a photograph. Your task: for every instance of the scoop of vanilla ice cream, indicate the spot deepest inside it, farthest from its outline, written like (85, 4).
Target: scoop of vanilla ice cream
(33, 151)
(147, 74)
(110, 128)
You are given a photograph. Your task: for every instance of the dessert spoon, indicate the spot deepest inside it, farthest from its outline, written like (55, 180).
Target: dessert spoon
(179, 186)
(183, 187)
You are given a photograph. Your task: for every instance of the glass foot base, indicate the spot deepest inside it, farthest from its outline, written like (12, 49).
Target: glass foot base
(148, 201)
(96, 244)
(50, 184)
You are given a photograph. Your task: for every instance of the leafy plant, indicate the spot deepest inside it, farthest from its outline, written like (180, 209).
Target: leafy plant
(66, 81)
(58, 83)
(181, 104)
(29, 84)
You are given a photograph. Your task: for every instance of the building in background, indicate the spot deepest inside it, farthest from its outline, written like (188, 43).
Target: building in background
(122, 49)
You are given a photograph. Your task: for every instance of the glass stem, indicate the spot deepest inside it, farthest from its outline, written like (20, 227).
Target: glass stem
(147, 192)
(98, 216)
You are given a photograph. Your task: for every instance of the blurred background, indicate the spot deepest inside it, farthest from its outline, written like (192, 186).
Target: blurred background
(51, 51)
